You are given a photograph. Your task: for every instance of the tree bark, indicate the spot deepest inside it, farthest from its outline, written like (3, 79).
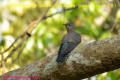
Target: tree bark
(84, 61)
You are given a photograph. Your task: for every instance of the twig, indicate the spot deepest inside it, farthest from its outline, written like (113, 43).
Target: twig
(13, 50)
(114, 25)
(11, 45)
(63, 10)
(19, 53)
(2, 63)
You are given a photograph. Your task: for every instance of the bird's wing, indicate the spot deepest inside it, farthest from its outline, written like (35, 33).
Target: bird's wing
(65, 48)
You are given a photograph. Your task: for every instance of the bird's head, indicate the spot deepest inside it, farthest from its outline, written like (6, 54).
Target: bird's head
(69, 27)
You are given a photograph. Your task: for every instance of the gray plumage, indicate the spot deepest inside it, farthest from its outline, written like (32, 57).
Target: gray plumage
(68, 43)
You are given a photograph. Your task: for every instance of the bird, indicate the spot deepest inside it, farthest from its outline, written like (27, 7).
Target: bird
(68, 42)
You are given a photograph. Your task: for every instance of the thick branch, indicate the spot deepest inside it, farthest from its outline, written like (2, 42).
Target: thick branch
(85, 61)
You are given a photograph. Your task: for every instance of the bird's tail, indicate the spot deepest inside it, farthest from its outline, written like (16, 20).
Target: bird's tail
(61, 58)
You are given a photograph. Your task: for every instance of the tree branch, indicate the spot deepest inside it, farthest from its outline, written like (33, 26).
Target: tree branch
(62, 10)
(84, 61)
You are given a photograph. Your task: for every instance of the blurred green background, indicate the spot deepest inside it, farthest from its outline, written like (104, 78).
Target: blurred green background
(93, 19)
